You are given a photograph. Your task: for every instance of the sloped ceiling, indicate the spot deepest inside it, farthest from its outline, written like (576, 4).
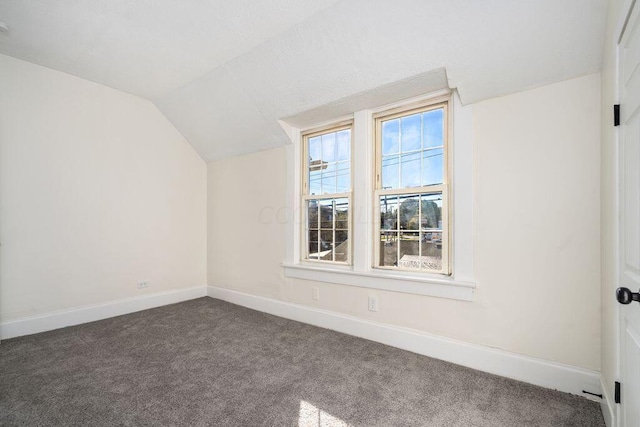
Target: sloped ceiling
(224, 72)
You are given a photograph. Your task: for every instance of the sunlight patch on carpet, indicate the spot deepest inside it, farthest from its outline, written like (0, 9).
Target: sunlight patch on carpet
(312, 416)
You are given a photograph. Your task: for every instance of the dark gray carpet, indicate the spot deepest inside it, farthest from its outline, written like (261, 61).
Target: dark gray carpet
(206, 362)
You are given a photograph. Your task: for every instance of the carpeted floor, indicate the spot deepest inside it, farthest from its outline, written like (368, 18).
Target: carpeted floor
(210, 363)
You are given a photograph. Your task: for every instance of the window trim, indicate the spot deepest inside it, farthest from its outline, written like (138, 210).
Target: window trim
(461, 284)
(305, 196)
(431, 104)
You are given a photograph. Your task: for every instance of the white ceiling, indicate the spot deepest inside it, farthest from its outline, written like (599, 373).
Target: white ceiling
(224, 72)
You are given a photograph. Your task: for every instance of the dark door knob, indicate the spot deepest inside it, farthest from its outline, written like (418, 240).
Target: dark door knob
(625, 296)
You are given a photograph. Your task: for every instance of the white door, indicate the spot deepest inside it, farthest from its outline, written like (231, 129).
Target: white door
(629, 238)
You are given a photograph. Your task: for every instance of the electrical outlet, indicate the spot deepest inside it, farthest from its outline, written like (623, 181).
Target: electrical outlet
(143, 284)
(373, 303)
(315, 293)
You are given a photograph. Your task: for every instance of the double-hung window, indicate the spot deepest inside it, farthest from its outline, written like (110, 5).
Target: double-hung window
(326, 198)
(375, 199)
(411, 231)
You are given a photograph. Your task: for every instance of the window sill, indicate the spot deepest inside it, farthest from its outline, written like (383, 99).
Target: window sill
(385, 280)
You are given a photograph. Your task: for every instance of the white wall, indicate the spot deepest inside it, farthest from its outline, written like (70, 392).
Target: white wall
(97, 192)
(537, 225)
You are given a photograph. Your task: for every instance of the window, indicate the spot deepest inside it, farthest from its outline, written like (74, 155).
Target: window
(327, 195)
(375, 202)
(411, 189)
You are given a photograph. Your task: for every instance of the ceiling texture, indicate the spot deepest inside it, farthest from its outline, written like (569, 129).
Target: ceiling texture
(226, 72)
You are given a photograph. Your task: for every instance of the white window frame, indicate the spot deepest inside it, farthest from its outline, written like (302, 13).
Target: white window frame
(305, 196)
(406, 110)
(460, 284)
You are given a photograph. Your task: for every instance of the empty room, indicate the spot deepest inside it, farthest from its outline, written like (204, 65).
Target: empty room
(320, 213)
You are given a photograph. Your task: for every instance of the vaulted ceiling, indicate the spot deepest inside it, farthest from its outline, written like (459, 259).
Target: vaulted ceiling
(225, 72)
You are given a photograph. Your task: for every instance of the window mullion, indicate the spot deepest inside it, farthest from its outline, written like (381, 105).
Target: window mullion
(422, 146)
(420, 231)
(400, 153)
(319, 228)
(327, 196)
(398, 232)
(431, 189)
(333, 230)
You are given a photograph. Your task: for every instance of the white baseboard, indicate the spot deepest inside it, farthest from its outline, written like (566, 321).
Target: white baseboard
(540, 372)
(608, 406)
(76, 316)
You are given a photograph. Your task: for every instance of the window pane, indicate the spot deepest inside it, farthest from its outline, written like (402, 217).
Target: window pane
(415, 240)
(329, 147)
(433, 128)
(344, 144)
(326, 214)
(315, 183)
(432, 164)
(409, 250)
(388, 212)
(313, 244)
(328, 229)
(390, 136)
(328, 178)
(431, 246)
(315, 165)
(326, 245)
(329, 163)
(312, 214)
(411, 134)
(342, 214)
(431, 234)
(341, 246)
(315, 149)
(343, 173)
(421, 160)
(431, 217)
(390, 171)
(410, 212)
(410, 166)
(388, 248)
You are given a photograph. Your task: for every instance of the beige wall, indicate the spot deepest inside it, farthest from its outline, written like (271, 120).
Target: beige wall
(608, 193)
(97, 192)
(537, 223)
